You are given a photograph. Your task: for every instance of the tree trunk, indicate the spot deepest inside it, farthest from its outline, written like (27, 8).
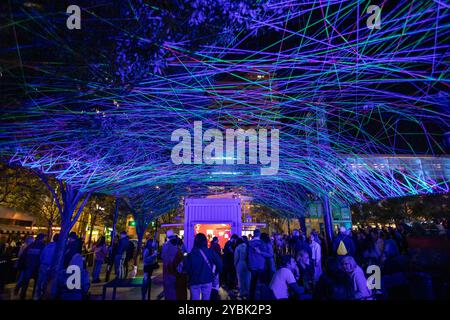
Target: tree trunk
(91, 229)
(58, 259)
(50, 230)
(328, 223)
(115, 219)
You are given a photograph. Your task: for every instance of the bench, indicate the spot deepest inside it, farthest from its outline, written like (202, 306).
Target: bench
(121, 283)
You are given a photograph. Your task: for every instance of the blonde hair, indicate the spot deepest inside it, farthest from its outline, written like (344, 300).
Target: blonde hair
(350, 260)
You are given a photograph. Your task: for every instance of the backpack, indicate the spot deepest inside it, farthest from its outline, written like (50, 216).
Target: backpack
(130, 251)
(341, 250)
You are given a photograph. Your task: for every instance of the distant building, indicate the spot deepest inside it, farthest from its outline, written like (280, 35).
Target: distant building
(14, 223)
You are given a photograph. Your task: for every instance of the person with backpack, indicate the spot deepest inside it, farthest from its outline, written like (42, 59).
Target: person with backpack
(240, 263)
(343, 244)
(256, 261)
(202, 265)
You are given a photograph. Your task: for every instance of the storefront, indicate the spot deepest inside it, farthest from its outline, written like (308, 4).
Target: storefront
(220, 217)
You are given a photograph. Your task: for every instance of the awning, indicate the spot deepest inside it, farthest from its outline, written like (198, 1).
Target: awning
(8, 229)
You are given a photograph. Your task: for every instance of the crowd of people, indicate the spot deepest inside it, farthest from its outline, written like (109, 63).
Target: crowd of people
(256, 267)
(280, 266)
(34, 258)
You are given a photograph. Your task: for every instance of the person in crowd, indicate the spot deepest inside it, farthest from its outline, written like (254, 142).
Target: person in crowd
(201, 266)
(120, 256)
(112, 249)
(216, 246)
(269, 268)
(73, 246)
(229, 271)
(46, 260)
(257, 251)
(65, 291)
(181, 280)
(358, 278)
(100, 251)
(370, 252)
(378, 237)
(316, 236)
(170, 250)
(129, 256)
(284, 280)
(316, 255)
(305, 271)
(32, 256)
(240, 263)
(334, 284)
(343, 244)
(297, 243)
(150, 261)
(21, 263)
(390, 246)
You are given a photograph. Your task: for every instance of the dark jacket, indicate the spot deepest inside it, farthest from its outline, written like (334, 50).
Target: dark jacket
(33, 255)
(298, 244)
(123, 246)
(256, 261)
(197, 269)
(348, 242)
(72, 249)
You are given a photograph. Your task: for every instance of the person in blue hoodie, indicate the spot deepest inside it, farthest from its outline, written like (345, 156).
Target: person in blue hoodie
(201, 265)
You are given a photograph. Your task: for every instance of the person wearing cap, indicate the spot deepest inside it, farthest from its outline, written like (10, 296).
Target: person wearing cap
(169, 253)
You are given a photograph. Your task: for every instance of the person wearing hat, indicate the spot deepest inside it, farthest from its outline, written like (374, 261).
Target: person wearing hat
(169, 253)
